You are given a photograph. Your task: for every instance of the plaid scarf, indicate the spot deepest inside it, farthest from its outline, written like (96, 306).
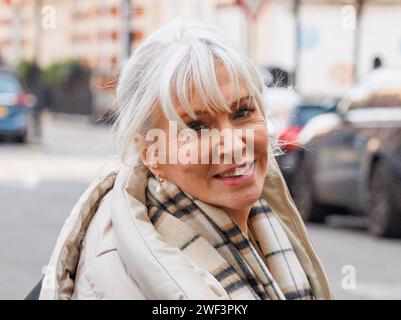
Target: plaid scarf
(262, 267)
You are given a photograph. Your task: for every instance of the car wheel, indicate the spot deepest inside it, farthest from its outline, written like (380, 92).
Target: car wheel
(303, 194)
(382, 216)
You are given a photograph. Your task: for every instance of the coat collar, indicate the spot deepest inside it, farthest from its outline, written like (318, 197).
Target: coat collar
(162, 271)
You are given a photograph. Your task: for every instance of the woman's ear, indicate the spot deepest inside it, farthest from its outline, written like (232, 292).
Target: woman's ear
(147, 159)
(141, 149)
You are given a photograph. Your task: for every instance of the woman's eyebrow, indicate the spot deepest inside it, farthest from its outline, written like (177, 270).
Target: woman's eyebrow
(184, 114)
(234, 103)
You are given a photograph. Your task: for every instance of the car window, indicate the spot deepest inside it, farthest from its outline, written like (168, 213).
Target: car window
(303, 114)
(9, 83)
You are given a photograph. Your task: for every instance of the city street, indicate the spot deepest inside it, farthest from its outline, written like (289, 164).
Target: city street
(41, 182)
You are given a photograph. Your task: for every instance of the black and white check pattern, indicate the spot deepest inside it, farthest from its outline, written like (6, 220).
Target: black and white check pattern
(264, 266)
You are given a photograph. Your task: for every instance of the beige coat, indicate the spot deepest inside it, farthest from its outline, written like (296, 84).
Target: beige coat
(109, 249)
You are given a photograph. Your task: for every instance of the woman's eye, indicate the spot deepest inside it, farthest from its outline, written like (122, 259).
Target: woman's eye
(196, 126)
(243, 113)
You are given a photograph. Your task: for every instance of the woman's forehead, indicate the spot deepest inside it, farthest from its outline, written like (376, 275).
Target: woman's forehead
(201, 95)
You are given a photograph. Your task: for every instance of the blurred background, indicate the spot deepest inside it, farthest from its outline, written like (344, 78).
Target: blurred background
(333, 72)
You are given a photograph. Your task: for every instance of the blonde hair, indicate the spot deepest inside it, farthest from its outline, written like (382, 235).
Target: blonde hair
(174, 60)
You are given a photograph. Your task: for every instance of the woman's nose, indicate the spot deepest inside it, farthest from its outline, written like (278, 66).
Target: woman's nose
(231, 146)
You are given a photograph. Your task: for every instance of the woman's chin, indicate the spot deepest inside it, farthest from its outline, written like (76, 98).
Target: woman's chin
(242, 200)
(236, 198)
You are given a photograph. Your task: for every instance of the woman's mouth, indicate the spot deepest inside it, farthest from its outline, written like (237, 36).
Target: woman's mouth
(237, 175)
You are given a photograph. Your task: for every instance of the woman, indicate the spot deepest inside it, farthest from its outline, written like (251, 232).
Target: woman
(178, 218)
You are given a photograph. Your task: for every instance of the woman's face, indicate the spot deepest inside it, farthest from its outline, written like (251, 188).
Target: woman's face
(219, 184)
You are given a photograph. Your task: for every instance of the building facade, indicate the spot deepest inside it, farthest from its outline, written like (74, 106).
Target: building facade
(317, 38)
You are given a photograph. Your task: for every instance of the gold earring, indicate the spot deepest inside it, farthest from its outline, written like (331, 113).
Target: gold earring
(160, 181)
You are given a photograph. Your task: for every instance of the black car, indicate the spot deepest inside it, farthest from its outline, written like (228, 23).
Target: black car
(290, 159)
(351, 159)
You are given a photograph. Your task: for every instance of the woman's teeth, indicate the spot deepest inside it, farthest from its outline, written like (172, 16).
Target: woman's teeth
(240, 171)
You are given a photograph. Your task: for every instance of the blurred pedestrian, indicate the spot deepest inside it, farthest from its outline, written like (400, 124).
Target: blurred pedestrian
(33, 84)
(377, 63)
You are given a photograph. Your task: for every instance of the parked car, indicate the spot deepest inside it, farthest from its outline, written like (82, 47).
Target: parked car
(299, 116)
(14, 107)
(352, 157)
